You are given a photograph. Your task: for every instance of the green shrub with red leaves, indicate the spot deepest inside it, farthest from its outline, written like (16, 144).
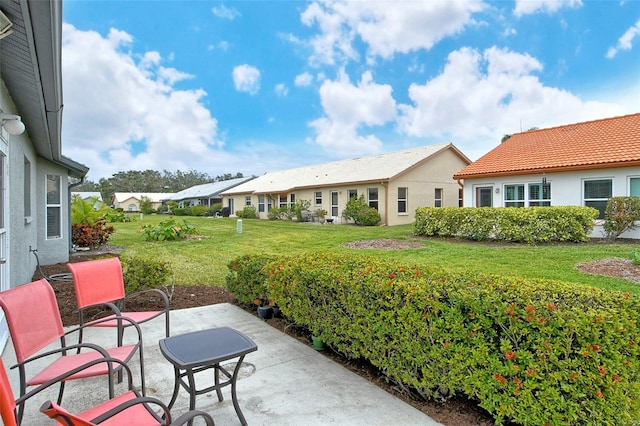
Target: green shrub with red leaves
(529, 351)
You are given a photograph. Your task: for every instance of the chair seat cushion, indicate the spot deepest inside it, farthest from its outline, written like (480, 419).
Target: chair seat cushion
(136, 415)
(69, 362)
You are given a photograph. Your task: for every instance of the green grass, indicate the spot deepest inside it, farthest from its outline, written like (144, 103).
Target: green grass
(204, 261)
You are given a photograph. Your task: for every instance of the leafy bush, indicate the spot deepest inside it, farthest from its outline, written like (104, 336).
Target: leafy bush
(635, 257)
(198, 210)
(168, 230)
(85, 235)
(113, 215)
(361, 213)
(88, 223)
(528, 224)
(620, 216)
(299, 207)
(141, 273)
(530, 351)
(248, 212)
(146, 205)
(246, 278)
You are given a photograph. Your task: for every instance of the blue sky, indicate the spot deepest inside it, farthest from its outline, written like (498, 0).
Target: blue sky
(259, 86)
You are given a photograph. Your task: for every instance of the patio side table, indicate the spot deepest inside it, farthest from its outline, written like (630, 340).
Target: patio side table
(197, 351)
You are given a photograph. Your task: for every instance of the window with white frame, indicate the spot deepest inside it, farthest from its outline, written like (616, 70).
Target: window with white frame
(402, 200)
(247, 200)
(597, 193)
(283, 201)
(437, 197)
(318, 198)
(514, 195)
(269, 203)
(260, 203)
(372, 195)
(539, 194)
(54, 207)
(460, 197)
(352, 193)
(292, 199)
(634, 187)
(27, 188)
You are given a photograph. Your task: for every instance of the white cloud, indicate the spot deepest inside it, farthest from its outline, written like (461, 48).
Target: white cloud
(246, 79)
(347, 108)
(625, 42)
(224, 12)
(526, 7)
(404, 27)
(123, 115)
(478, 97)
(303, 80)
(281, 89)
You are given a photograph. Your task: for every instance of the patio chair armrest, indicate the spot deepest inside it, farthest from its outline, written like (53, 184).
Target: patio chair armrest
(132, 402)
(64, 349)
(190, 415)
(69, 373)
(159, 292)
(98, 321)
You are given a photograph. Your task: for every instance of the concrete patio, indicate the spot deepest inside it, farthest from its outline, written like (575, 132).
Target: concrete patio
(284, 382)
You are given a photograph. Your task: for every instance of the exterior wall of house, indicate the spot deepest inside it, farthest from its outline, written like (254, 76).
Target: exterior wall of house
(419, 183)
(22, 230)
(52, 250)
(566, 188)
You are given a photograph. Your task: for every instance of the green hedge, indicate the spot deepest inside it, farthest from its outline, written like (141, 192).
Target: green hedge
(530, 351)
(527, 225)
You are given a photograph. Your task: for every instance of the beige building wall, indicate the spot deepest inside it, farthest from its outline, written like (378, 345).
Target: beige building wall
(419, 183)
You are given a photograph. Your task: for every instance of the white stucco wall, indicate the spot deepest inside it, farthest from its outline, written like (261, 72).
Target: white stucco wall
(566, 188)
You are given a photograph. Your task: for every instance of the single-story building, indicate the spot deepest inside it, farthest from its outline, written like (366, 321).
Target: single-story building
(581, 164)
(206, 194)
(34, 175)
(130, 201)
(394, 183)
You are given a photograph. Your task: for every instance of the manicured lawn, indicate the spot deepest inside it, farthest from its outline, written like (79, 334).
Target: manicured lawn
(203, 261)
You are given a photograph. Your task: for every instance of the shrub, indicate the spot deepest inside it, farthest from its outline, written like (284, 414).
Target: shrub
(141, 273)
(620, 216)
(528, 224)
(168, 230)
(299, 207)
(246, 278)
(198, 210)
(248, 212)
(146, 206)
(530, 351)
(85, 235)
(361, 213)
(118, 216)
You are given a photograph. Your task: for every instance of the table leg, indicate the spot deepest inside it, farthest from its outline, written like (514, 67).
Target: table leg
(216, 375)
(176, 388)
(234, 397)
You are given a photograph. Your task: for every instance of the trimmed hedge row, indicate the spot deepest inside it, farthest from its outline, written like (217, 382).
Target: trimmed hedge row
(527, 224)
(530, 351)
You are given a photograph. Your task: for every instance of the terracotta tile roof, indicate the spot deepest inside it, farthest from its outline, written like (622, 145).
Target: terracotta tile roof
(605, 143)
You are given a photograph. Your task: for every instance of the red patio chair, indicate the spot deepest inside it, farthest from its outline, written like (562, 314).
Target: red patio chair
(34, 322)
(127, 409)
(100, 283)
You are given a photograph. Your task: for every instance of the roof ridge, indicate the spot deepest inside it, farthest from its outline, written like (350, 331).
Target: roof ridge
(617, 117)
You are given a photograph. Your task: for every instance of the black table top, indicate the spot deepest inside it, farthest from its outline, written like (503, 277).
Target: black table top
(205, 347)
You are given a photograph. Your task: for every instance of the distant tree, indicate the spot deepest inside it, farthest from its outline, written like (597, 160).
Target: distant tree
(505, 137)
(86, 186)
(228, 176)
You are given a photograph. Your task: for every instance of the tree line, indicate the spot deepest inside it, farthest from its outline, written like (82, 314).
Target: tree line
(149, 181)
